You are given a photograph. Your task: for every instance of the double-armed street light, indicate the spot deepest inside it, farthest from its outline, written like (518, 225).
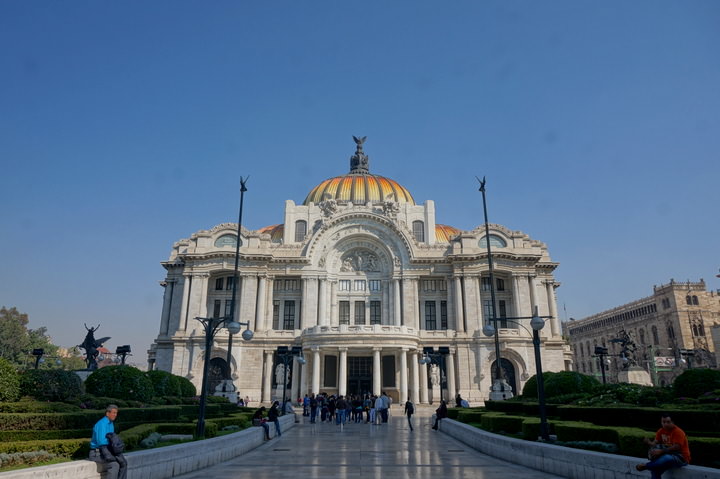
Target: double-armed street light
(602, 353)
(537, 322)
(123, 351)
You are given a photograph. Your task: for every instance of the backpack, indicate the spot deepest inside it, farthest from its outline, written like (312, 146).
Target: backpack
(115, 443)
(410, 408)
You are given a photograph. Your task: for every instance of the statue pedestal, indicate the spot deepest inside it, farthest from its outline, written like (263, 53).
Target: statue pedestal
(435, 395)
(227, 389)
(500, 390)
(635, 375)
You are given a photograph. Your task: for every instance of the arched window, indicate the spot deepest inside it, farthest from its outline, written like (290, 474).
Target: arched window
(671, 332)
(701, 330)
(418, 231)
(688, 300)
(495, 242)
(300, 230)
(656, 340)
(695, 330)
(695, 300)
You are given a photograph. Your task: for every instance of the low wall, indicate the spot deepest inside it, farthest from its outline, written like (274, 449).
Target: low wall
(563, 461)
(163, 462)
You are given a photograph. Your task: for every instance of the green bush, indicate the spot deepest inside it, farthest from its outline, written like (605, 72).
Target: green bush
(598, 446)
(50, 384)
(36, 406)
(693, 383)
(33, 435)
(560, 384)
(9, 381)
(164, 383)
(68, 448)
(498, 422)
(531, 428)
(569, 431)
(124, 382)
(469, 416)
(48, 421)
(24, 458)
(241, 420)
(704, 451)
(187, 388)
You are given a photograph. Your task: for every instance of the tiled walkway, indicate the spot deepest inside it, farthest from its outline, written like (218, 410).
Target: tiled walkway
(388, 451)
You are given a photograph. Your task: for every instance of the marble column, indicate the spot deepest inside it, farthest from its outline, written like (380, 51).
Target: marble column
(423, 383)
(201, 310)
(167, 306)
(450, 371)
(322, 306)
(386, 303)
(415, 378)
(552, 307)
(476, 284)
(316, 371)
(403, 375)
(295, 380)
(377, 386)
(267, 377)
(303, 380)
(334, 319)
(342, 379)
(516, 296)
(260, 324)
(531, 288)
(397, 319)
(458, 303)
(187, 290)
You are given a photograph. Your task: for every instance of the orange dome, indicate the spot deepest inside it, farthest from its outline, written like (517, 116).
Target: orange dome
(443, 233)
(359, 186)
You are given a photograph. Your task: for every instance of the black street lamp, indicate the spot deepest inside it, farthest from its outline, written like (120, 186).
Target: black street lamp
(243, 189)
(498, 383)
(602, 353)
(123, 351)
(537, 322)
(286, 355)
(38, 353)
(687, 355)
(438, 358)
(211, 326)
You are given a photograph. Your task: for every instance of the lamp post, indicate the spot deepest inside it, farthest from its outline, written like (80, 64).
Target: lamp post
(432, 357)
(211, 327)
(602, 353)
(123, 351)
(243, 189)
(687, 355)
(498, 383)
(537, 322)
(38, 353)
(286, 355)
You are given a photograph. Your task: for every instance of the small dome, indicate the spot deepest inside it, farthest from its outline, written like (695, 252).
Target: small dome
(275, 232)
(359, 186)
(443, 233)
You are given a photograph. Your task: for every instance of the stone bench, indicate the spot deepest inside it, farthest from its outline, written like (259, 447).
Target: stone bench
(162, 462)
(563, 461)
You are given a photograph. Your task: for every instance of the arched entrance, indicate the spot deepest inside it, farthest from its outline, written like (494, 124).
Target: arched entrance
(508, 371)
(218, 372)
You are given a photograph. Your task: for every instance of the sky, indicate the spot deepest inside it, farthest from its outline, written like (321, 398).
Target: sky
(126, 126)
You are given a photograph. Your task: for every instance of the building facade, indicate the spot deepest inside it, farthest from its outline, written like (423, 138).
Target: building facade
(362, 278)
(677, 317)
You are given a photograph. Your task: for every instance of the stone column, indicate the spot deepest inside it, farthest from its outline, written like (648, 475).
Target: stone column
(397, 319)
(323, 319)
(303, 380)
(458, 305)
(403, 375)
(415, 378)
(476, 283)
(247, 292)
(377, 385)
(450, 371)
(187, 290)
(295, 380)
(409, 305)
(531, 288)
(316, 371)
(260, 323)
(201, 306)
(423, 383)
(516, 296)
(552, 306)
(167, 306)
(310, 303)
(386, 300)
(267, 377)
(333, 319)
(342, 376)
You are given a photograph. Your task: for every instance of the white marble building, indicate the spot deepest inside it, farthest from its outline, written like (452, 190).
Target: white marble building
(362, 278)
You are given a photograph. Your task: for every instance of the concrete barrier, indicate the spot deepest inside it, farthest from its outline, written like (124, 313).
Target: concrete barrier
(562, 461)
(163, 462)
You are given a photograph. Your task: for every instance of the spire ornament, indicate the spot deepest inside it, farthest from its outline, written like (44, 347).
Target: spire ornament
(359, 162)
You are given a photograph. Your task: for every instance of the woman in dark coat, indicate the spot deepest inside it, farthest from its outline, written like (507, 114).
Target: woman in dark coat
(273, 415)
(440, 413)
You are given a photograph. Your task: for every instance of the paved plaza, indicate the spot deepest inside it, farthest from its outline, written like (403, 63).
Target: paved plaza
(364, 451)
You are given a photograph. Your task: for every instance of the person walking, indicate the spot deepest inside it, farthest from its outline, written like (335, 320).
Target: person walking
(669, 449)
(114, 464)
(273, 416)
(409, 411)
(378, 410)
(313, 408)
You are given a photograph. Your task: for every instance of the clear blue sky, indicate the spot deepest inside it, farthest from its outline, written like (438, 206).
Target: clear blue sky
(125, 126)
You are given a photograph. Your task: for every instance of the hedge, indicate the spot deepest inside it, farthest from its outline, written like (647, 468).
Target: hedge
(68, 448)
(124, 382)
(85, 419)
(497, 422)
(29, 435)
(242, 420)
(37, 406)
(645, 418)
(50, 384)
(164, 383)
(469, 416)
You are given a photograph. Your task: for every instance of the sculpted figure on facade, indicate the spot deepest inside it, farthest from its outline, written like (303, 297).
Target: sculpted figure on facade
(280, 374)
(435, 375)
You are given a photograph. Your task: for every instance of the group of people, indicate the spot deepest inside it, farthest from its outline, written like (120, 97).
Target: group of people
(342, 409)
(668, 449)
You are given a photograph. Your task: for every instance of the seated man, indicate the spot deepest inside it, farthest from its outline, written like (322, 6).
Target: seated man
(115, 465)
(668, 450)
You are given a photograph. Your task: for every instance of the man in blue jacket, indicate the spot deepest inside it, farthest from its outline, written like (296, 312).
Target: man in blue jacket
(115, 465)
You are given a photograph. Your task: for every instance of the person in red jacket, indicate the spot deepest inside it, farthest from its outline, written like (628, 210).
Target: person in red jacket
(668, 450)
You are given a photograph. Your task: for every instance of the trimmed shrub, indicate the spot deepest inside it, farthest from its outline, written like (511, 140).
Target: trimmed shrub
(569, 382)
(704, 451)
(24, 458)
(48, 421)
(124, 382)
(9, 381)
(241, 420)
(164, 384)
(30, 435)
(36, 406)
(584, 431)
(469, 416)
(68, 448)
(50, 384)
(598, 446)
(693, 383)
(187, 388)
(531, 428)
(498, 422)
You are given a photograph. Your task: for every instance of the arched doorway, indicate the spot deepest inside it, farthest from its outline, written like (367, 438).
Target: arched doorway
(218, 372)
(508, 371)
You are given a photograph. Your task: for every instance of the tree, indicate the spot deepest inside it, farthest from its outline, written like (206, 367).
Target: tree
(17, 341)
